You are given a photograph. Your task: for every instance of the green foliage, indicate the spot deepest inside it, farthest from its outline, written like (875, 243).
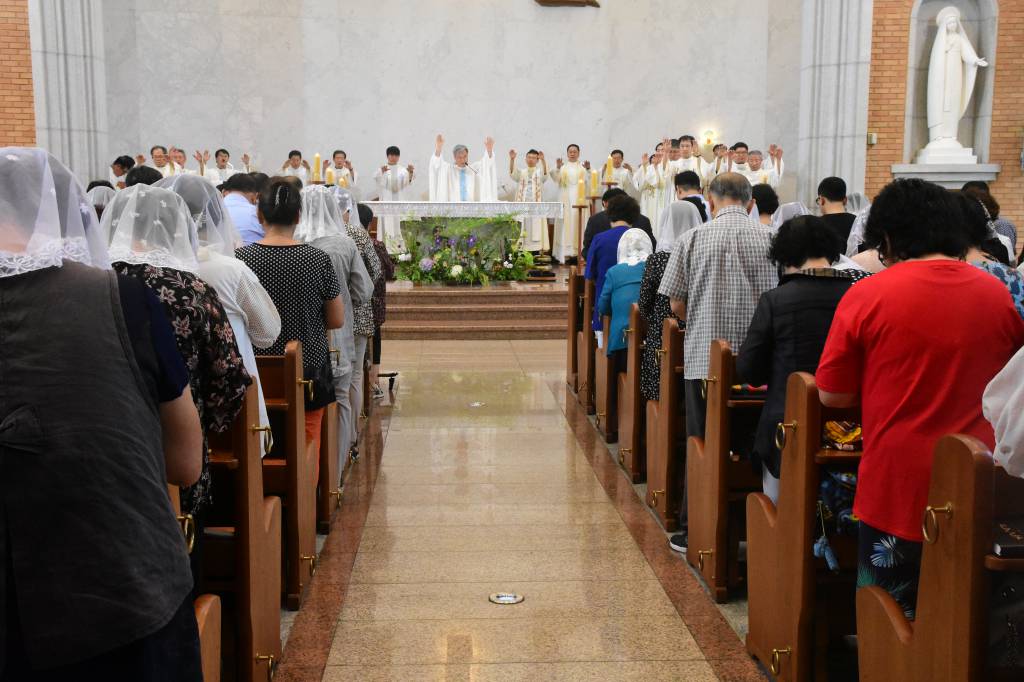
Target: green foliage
(463, 251)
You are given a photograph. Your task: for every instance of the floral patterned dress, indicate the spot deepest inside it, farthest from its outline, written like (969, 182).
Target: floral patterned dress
(217, 377)
(363, 315)
(655, 309)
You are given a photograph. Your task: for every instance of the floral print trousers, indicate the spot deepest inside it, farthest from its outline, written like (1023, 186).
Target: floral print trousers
(892, 563)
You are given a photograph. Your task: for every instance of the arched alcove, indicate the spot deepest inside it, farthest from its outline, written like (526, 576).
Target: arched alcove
(980, 20)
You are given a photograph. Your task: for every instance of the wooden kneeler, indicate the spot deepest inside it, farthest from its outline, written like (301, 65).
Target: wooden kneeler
(328, 487)
(630, 407)
(717, 482)
(243, 542)
(605, 383)
(573, 328)
(666, 430)
(289, 471)
(586, 344)
(206, 606)
(949, 639)
(796, 606)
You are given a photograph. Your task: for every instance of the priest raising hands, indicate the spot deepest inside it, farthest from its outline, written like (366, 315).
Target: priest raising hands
(463, 181)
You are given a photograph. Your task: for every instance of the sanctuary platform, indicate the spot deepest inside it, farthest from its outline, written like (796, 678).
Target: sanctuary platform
(499, 310)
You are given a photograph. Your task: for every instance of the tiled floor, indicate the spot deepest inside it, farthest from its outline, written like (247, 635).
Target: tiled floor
(489, 480)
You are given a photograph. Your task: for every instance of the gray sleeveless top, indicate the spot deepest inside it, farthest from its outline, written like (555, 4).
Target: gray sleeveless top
(88, 539)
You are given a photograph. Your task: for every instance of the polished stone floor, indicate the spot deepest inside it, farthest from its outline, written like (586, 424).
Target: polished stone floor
(488, 480)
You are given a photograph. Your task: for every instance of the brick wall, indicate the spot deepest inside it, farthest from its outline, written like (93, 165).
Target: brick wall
(890, 36)
(17, 112)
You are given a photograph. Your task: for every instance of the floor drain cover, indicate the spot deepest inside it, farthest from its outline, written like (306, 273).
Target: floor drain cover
(506, 598)
(477, 404)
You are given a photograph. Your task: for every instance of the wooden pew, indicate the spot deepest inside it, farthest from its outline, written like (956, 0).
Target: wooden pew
(605, 383)
(717, 482)
(328, 487)
(796, 606)
(666, 430)
(206, 606)
(630, 407)
(208, 617)
(586, 344)
(573, 327)
(242, 556)
(290, 470)
(948, 640)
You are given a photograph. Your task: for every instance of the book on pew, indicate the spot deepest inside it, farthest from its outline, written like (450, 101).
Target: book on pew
(1009, 538)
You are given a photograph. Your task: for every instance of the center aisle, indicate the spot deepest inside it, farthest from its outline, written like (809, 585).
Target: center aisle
(484, 486)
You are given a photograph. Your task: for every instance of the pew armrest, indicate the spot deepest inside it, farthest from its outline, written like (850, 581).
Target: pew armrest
(1002, 564)
(881, 625)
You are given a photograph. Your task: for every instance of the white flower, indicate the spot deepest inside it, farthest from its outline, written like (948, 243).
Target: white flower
(456, 270)
(508, 265)
(405, 257)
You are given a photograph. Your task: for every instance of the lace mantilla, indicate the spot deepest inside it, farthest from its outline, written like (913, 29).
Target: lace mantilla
(466, 209)
(50, 254)
(160, 258)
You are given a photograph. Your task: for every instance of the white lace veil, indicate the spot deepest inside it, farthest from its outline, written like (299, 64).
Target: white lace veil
(320, 214)
(634, 246)
(787, 211)
(214, 226)
(680, 217)
(152, 225)
(100, 196)
(45, 217)
(347, 202)
(857, 202)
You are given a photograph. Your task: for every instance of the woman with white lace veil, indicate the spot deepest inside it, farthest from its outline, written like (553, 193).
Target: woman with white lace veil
(622, 289)
(787, 211)
(99, 197)
(250, 310)
(153, 239)
(95, 411)
(322, 225)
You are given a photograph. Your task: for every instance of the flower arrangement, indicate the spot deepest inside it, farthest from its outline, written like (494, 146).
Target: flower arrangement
(463, 251)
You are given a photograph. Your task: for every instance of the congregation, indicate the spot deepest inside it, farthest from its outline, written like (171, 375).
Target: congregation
(138, 308)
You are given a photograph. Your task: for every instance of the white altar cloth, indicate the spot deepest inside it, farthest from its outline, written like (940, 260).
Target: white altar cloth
(466, 209)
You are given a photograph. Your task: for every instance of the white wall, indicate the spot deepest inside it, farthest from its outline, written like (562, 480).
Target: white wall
(265, 76)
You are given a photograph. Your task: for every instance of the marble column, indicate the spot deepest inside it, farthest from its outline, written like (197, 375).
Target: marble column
(69, 78)
(835, 67)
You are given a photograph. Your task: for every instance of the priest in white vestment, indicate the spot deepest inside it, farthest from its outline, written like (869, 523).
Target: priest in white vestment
(622, 174)
(160, 160)
(568, 229)
(650, 181)
(296, 167)
(757, 172)
(719, 163)
(463, 181)
(344, 173)
(391, 180)
(222, 168)
(529, 187)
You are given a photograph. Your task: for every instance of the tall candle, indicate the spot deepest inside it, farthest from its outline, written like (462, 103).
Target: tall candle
(581, 191)
(316, 168)
(608, 176)
(342, 179)
(329, 178)
(595, 185)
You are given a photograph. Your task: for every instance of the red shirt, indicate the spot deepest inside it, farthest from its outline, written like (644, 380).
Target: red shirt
(919, 342)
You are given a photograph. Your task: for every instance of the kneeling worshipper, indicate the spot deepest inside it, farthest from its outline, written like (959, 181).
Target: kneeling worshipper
(463, 181)
(623, 212)
(323, 227)
(153, 238)
(98, 415)
(655, 308)
(621, 290)
(251, 311)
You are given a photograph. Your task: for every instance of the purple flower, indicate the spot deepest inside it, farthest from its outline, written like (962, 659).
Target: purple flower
(426, 265)
(453, 241)
(471, 241)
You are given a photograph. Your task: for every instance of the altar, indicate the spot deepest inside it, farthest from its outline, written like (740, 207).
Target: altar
(463, 242)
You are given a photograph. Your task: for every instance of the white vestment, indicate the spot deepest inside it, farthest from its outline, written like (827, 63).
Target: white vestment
(219, 175)
(301, 173)
(650, 180)
(714, 168)
(390, 186)
(350, 176)
(472, 182)
(764, 175)
(624, 178)
(568, 229)
(530, 185)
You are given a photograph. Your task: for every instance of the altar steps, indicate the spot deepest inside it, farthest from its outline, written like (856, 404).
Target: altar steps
(501, 311)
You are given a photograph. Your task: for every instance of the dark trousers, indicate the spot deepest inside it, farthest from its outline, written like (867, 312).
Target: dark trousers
(696, 416)
(376, 347)
(892, 563)
(171, 654)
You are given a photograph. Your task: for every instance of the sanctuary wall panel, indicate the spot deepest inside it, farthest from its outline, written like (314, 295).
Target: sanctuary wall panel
(265, 76)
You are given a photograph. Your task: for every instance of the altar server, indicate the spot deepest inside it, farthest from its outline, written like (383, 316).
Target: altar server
(463, 181)
(567, 175)
(392, 180)
(530, 184)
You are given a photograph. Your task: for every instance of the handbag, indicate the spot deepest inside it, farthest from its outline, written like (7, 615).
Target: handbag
(322, 378)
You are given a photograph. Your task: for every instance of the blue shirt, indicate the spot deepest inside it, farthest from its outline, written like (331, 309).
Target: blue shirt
(621, 290)
(463, 191)
(244, 216)
(603, 254)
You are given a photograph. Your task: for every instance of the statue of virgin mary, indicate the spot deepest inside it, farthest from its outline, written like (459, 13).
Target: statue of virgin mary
(952, 71)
